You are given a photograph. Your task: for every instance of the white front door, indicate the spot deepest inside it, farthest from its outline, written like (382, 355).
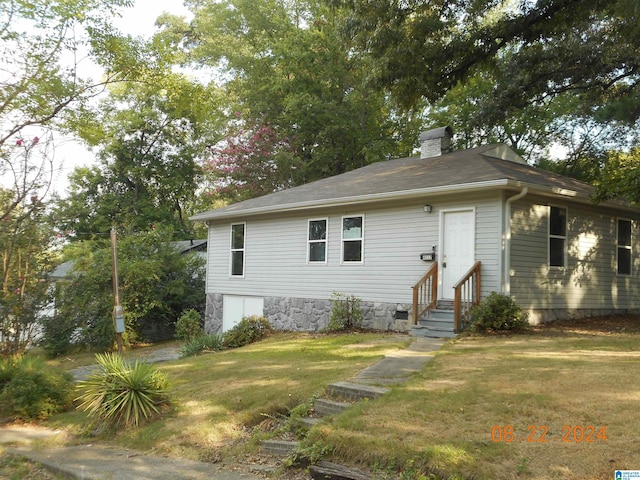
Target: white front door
(458, 240)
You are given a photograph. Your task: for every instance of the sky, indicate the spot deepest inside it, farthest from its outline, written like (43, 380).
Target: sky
(137, 21)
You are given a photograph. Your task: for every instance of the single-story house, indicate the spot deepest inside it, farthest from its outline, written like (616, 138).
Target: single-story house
(409, 235)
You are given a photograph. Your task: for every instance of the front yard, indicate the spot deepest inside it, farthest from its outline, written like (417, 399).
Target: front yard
(559, 402)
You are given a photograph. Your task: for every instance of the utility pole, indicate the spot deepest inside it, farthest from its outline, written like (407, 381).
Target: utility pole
(118, 312)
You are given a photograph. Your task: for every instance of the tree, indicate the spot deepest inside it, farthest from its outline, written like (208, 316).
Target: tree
(43, 92)
(251, 161)
(152, 138)
(24, 292)
(535, 50)
(286, 68)
(41, 87)
(157, 283)
(620, 178)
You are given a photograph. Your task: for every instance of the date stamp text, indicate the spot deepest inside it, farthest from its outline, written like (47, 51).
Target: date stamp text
(542, 434)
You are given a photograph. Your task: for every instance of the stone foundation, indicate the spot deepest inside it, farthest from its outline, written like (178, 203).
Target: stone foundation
(312, 314)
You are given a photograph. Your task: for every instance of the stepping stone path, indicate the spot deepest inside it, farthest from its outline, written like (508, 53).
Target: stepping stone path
(393, 369)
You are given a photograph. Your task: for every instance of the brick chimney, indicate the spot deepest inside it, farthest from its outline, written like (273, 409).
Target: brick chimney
(434, 143)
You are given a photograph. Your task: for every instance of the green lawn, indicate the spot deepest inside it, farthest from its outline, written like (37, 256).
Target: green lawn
(534, 406)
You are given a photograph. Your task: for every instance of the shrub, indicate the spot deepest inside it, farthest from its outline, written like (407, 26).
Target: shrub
(201, 343)
(119, 393)
(247, 331)
(346, 313)
(498, 313)
(189, 326)
(32, 391)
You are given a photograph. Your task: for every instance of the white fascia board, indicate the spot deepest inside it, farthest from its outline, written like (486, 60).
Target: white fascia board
(400, 195)
(353, 200)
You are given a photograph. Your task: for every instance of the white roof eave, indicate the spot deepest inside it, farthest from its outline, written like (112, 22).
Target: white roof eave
(556, 192)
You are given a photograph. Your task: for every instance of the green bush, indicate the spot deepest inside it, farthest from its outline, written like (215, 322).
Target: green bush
(498, 313)
(346, 313)
(189, 326)
(120, 393)
(247, 331)
(201, 343)
(29, 390)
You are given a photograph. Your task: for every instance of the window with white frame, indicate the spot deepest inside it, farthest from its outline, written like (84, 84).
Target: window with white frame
(624, 246)
(557, 236)
(237, 249)
(352, 239)
(317, 241)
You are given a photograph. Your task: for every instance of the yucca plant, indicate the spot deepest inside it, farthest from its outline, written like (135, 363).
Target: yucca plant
(123, 393)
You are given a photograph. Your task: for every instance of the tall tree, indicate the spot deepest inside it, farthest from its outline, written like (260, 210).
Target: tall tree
(24, 293)
(152, 137)
(45, 89)
(41, 88)
(545, 48)
(284, 65)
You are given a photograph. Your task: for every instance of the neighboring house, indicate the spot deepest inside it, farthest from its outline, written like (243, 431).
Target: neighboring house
(481, 220)
(64, 271)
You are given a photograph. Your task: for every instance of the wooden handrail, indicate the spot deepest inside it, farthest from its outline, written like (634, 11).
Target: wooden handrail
(425, 293)
(467, 294)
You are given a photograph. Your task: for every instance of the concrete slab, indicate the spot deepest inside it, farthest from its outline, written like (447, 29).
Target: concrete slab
(89, 462)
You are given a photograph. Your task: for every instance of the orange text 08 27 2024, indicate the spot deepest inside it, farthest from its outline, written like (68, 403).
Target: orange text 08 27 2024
(542, 434)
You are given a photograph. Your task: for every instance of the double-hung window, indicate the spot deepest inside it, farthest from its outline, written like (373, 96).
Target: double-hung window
(317, 241)
(237, 249)
(624, 247)
(352, 239)
(557, 236)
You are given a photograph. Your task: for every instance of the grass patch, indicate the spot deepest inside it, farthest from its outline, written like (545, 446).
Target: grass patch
(442, 420)
(439, 422)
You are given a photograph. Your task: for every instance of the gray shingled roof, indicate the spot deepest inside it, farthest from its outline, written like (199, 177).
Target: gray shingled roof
(474, 168)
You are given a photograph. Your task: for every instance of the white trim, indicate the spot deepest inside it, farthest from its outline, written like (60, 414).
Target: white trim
(325, 241)
(360, 239)
(243, 249)
(408, 194)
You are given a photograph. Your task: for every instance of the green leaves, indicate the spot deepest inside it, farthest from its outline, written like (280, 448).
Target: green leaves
(157, 283)
(123, 394)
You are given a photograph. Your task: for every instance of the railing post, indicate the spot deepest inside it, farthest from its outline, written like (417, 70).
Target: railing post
(415, 304)
(456, 310)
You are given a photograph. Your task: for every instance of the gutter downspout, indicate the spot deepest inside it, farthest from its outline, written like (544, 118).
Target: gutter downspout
(507, 239)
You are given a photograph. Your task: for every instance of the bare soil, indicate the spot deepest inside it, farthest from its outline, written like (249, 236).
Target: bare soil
(612, 325)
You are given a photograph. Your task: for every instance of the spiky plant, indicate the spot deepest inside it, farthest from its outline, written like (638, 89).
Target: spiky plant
(120, 393)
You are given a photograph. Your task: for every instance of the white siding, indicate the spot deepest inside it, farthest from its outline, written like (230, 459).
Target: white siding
(590, 280)
(394, 237)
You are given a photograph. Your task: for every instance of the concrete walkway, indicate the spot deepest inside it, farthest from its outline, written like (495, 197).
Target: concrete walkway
(92, 462)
